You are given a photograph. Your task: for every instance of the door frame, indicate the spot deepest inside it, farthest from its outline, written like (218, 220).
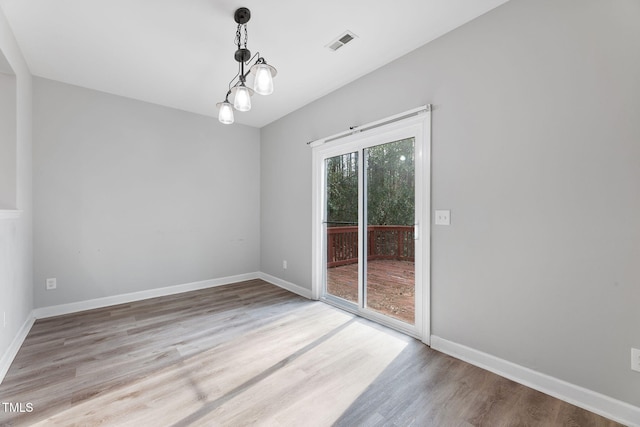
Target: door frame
(413, 123)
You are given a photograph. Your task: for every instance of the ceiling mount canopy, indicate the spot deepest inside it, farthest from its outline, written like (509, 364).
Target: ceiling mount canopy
(262, 72)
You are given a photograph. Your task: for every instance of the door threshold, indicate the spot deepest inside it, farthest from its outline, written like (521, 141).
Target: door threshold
(381, 319)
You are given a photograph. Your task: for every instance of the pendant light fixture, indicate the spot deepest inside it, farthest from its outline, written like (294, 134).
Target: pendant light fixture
(262, 72)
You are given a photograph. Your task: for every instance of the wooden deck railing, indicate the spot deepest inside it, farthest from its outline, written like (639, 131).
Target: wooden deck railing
(383, 242)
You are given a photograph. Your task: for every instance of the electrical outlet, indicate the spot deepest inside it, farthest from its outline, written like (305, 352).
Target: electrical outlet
(51, 284)
(635, 359)
(443, 217)
(284, 264)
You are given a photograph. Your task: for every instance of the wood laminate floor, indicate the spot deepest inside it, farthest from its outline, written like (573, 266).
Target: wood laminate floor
(254, 354)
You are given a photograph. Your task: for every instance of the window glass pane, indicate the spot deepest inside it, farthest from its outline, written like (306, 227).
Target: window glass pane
(390, 213)
(342, 226)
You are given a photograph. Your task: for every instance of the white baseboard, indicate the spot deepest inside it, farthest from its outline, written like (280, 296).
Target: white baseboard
(600, 404)
(12, 351)
(304, 292)
(74, 307)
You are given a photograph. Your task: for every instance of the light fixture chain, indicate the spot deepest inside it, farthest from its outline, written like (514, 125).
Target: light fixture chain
(238, 40)
(238, 35)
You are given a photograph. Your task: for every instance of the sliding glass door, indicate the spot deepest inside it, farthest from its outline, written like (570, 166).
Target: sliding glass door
(371, 206)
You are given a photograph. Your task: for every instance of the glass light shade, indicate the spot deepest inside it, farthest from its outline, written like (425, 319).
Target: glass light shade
(242, 100)
(263, 81)
(225, 113)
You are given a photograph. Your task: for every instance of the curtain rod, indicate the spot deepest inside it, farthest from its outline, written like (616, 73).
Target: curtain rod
(372, 125)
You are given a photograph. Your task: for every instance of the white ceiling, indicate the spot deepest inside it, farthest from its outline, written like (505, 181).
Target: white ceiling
(179, 53)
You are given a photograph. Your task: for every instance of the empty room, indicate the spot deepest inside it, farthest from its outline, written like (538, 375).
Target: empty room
(349, 213)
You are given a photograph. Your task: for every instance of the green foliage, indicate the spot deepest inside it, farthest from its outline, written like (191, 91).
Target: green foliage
(342, 189)
(390, 176)
(391, 183)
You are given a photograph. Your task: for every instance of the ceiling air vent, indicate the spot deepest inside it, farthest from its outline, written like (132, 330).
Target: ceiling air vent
(341, 40)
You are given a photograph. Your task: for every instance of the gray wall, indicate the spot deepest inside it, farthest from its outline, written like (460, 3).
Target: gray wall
(8, 144)
(130, 196)
(536, 152)
(16, 266)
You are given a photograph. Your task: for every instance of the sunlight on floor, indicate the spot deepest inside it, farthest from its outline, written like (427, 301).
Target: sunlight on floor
(314, 376)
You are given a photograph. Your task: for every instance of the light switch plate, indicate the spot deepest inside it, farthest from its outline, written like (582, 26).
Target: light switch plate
(443, 217)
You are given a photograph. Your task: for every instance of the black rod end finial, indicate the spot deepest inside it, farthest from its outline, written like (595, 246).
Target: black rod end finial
(242, 15)
(242, 55)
